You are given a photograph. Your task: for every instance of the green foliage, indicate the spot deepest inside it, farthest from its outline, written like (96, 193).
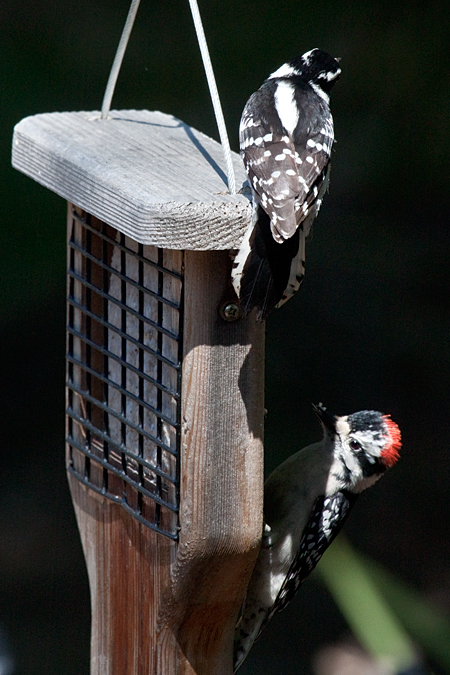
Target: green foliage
(364, 607)
(387, 616)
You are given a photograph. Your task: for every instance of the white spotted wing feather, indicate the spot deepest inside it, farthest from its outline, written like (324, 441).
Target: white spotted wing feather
(289, 183)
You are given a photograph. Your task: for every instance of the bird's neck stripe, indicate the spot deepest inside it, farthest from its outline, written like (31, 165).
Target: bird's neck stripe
(284, 71)
(319, 91)
(286, 106)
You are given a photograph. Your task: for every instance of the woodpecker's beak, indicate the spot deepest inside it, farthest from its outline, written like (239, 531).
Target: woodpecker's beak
(327, 420)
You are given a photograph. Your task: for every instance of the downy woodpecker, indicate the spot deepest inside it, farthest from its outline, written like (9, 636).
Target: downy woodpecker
(286, 135)
(306, 501)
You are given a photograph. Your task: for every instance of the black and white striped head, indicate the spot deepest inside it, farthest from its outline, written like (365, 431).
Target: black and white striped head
(315, 67)
(365, 444)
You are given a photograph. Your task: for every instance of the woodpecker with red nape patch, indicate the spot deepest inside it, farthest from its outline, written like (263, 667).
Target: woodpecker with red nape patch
(307, 499)
(286, 135)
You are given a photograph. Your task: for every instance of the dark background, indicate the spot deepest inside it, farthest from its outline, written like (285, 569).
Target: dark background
(369, 328)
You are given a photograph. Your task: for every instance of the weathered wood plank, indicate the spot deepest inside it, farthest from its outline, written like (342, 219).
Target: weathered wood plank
(128, 566)
(147, 174)
(221, 487)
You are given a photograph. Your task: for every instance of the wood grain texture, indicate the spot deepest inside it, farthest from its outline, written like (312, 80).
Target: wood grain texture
(128, 567)
(221, 488)
(147, 174)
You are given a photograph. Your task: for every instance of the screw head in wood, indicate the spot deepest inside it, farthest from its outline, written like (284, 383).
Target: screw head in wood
(230, 311)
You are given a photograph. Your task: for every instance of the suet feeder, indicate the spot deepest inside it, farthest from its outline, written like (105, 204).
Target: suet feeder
(164, 429)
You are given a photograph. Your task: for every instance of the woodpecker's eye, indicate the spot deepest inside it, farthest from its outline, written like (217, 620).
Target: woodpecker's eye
(355, 445)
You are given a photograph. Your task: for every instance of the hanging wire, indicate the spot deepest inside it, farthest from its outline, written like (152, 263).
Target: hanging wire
(109, 91)
(106, 104)
(214, 95)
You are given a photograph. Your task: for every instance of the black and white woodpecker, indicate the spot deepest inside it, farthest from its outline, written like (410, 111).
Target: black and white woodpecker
(306, 502)
(286, 135)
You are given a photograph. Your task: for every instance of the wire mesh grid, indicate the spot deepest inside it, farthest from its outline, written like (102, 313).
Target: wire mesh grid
(124, 370)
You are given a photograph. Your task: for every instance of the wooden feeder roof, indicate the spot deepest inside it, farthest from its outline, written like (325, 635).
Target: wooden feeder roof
(147, 174)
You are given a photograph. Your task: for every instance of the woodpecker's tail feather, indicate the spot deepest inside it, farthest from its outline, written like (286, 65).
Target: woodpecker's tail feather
(256, 283)
(262, 266)
(244, 640)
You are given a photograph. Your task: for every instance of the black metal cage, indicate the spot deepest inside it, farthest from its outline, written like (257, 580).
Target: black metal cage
(124, 352)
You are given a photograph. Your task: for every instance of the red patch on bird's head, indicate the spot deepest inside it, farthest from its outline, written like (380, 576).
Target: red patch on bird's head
(391, 451)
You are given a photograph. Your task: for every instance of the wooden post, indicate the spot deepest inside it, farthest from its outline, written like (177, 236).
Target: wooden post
(165, 397)
(221, 522)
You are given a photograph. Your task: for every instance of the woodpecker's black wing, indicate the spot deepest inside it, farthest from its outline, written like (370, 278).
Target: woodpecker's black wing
(285, 169)
(326, 520)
